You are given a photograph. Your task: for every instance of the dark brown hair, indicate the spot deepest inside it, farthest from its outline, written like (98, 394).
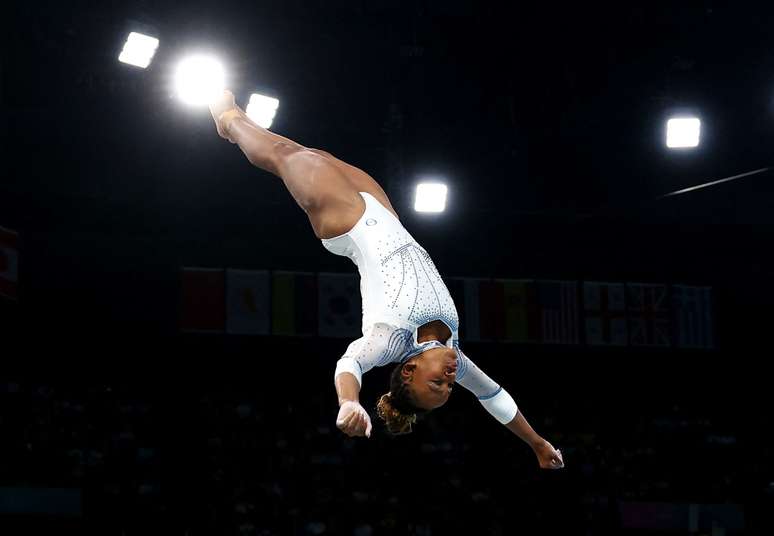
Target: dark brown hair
(397, 408)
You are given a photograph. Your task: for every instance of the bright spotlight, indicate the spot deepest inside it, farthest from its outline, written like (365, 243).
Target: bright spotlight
(262, 109)
(430, 197)
(138, 50)
(683, 132)
(199, 79)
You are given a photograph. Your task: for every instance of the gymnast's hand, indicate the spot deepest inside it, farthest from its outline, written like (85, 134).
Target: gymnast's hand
(219, 108)
(548, 456)
(353, 419)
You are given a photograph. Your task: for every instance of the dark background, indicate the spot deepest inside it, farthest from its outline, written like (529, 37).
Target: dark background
(546, 122)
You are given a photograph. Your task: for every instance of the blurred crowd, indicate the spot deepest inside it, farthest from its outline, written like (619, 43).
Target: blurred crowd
(229, 459)
(246, 444)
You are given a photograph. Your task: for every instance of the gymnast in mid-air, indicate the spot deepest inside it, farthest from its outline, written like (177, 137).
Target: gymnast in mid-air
(409, 317)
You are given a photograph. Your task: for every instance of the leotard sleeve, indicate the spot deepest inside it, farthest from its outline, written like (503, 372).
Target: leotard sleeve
(380, 345)
(492, 396)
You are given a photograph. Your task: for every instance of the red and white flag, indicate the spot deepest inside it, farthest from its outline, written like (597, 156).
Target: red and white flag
(605, 313)
(202, 300)
(647, 306)
(9, 263)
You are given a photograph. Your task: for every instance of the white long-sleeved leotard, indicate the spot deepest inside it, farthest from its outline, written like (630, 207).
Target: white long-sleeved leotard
(402, 290)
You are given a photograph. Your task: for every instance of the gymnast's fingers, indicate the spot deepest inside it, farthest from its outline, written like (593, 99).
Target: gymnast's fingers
(359, 426)
(344, 422)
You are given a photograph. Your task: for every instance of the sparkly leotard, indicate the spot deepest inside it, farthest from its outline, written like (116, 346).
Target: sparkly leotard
(401, 290)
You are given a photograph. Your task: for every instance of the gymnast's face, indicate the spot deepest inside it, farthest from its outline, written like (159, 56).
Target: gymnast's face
(431, 376)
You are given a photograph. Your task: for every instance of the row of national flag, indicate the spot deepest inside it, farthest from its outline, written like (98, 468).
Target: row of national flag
(588, 312)
(612, 314)
(259, 302)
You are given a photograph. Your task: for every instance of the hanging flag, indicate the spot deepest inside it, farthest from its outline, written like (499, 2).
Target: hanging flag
(247, 302)
(465, 292)
(647, 306)
(521, 311)
(472, 306)
(491, 300)
(693, 317)
(294, 303)
(604, 306)
(456, 287)
(339, 305)
(496, 310)
(202, 302)
(559, 311)
(9, 264)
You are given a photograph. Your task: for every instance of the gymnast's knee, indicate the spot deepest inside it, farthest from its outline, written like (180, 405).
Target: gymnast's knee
(326, 154)
(275, 159)
(293, 157)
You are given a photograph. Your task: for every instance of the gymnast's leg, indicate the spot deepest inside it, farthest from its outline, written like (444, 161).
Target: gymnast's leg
(315, 181)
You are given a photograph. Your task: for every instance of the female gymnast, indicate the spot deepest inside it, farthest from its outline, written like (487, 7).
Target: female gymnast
(409, 317)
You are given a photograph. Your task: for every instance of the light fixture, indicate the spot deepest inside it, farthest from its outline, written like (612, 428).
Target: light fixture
(199, 79)
(683, 132)
(262, 109)
(430, 197)
(138, 50)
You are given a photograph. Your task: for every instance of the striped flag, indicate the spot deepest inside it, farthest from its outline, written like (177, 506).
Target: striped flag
(521, 310)
(9, 264)
(339, 305)
(693, 317)
(247, 302)
(483, 305)
(647, 306)
(465, 292)
(491, 310)
(605, 314)
(471, 304)
(456, 287)
(202, 300)
(559, 311)
(496, 310)
(294, 303)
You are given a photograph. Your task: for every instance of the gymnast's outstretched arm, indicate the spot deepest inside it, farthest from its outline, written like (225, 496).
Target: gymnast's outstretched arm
(499, 403)
(548, 456)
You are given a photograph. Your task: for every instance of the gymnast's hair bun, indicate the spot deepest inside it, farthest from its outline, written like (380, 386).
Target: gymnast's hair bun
(397, 423)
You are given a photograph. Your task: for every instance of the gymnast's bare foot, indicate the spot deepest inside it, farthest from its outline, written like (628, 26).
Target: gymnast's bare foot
(223, 110)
